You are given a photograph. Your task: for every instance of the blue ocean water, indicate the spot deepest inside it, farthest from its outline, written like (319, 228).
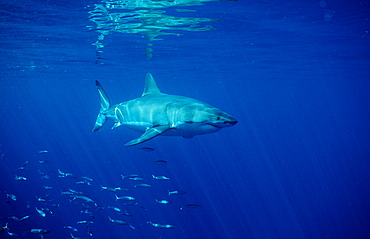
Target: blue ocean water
(294, 74)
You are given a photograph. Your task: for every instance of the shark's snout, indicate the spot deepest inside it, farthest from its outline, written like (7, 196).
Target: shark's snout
(227, 122)
(230, 122)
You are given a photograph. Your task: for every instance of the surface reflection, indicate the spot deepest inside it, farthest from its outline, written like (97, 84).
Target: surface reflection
(147, 18)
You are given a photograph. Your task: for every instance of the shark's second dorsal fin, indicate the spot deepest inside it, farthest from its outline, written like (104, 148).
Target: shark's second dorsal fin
(151, 86)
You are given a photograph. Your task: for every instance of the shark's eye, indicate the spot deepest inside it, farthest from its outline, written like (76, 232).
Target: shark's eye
(218, 118)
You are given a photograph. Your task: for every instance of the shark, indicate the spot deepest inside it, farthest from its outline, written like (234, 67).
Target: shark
(156, 113)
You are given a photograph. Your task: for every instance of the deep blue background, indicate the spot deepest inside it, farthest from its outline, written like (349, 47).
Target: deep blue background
(295, 75)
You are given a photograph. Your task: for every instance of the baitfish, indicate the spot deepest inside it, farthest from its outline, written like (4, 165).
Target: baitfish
(136, 179)
(85, 222)
(128, 198)
(25, 217)
(107, 188)
(87, 178)
(76, 192)
(20, 178)
(86, 199)
(72, 228)
(119, 222)
(39, 231)
(165, 226)
(120, 189)
(11, 196)
(115, 208)
(176, 192)
(41, 212)
(160, 177)
(143, 185)
(162, 201)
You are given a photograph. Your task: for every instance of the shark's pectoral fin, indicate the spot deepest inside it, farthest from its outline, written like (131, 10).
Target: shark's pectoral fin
(149, 134)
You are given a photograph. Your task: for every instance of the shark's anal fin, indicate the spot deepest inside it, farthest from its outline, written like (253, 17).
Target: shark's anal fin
(149, 134)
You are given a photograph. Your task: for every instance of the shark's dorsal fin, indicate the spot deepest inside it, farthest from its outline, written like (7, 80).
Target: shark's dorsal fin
(151, 86)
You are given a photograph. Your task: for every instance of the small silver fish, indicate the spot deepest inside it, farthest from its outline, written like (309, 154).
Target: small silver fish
(119, 222)
(39, 231)
(25, 217)
(136, 179)
(165, 226)
(82, 198)
(87, 178)
(12, 234)
(108, 188)
(143, 185)
(66, 193)
(62, 174)
(87, 211)
(76, 192)
(120, 189)
(127, 214)
(115, 208)
(84, 182)
(41, 212)
(160, 177)
(176, 192)
(162, 201)
(20, 178)
(72, 228)
(85, 222)
(73, 237)
(40, 199)
(128, 198)
(11, 196)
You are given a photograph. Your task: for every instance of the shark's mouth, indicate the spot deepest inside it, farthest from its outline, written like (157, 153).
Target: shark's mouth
(214, 125)
(222, 124)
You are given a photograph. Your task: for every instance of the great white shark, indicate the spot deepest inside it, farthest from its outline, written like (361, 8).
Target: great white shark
(156, 113)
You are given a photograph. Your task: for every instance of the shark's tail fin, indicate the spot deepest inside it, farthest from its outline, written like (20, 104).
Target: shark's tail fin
(104, 105)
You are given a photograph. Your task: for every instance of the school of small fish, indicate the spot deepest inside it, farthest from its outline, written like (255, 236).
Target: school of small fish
(45, 205)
